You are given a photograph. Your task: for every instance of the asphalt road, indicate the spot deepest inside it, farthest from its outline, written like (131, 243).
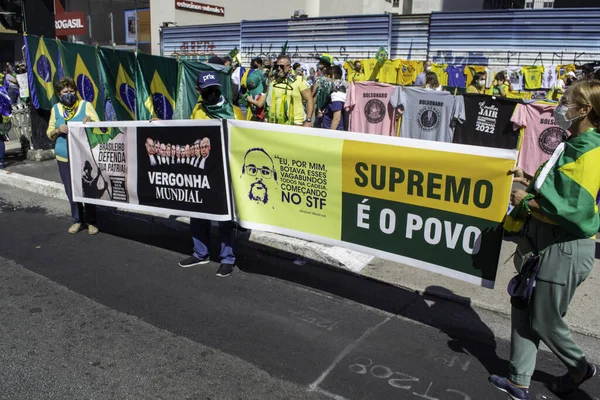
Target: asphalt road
(114, 317)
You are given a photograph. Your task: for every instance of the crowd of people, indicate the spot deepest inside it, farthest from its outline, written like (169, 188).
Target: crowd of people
(9, 96)
(558, 209)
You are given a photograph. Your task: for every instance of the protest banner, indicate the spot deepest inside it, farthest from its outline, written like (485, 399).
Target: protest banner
(431, 205)
(175, 168)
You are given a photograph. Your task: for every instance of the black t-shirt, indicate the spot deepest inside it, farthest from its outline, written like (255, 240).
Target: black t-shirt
(487, 122)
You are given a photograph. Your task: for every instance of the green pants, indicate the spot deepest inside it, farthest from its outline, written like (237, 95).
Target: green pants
(564, 265)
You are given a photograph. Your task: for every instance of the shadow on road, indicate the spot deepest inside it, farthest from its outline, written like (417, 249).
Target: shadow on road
(466, 332)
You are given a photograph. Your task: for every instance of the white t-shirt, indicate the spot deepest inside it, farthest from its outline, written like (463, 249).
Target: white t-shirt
(515, 76)
(550, 76)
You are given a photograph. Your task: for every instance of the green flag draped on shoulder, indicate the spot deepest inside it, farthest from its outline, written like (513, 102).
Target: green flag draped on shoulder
(568, 184)
(187, 97)
(80, 62)
(118, 74)
(43, 65)
(156, 84)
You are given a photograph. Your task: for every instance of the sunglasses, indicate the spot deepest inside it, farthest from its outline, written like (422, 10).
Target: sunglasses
(280, 66)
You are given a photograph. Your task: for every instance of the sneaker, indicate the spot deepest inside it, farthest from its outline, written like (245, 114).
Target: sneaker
(515, 393)
(193, 261)
(225, 270)
(565, 385)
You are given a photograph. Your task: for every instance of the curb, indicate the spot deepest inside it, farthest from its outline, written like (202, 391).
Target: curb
(337, 257)
(36, 185)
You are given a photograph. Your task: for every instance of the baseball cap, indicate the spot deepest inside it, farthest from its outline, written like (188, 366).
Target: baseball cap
(571, 74)
(254, 83)
(326, 59)
(207, 79)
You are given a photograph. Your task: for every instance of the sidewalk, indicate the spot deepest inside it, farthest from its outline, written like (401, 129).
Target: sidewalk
(43, 178)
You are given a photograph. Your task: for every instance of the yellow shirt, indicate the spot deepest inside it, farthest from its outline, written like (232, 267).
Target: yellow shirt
(519, 95)
(371, 69)
(285, 102)
(408, 71)
(198, 112)
(562, 70)
(90, 111)
(473, 89)
(352, 75)
(471, 70)
(357, 77)
(440, 71)
(533, 76)
(389, 72)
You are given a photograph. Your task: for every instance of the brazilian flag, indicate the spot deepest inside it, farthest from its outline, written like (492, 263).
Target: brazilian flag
(98, 136)
(188, 78)
(118, 74)
(43, 62)
(156, 84)
(80, 62)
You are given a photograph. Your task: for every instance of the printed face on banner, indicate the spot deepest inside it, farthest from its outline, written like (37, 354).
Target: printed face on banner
(259, 173)
(190, 182)
(275, 184)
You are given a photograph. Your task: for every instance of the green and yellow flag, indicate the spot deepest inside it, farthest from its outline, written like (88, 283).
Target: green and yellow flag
(118, 72)
(98, 136)
(187, 97)
(156, 84)
(80, 62)
(44, 64)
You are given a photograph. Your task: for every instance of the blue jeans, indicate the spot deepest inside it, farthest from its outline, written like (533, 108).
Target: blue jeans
(201, 236)
(2, 150)
(81, 213)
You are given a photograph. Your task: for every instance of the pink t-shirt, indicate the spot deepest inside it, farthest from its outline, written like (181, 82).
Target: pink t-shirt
(368, 104)
(541, 134)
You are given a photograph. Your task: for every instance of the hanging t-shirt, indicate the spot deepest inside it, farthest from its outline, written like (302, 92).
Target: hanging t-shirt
(550, 76)
(368, 104)
(541, 134)
(515, 76)
(456, 76)
(533, 76)
(488, 123)
(563, 69)
(408, 71)
(440, 71)
(428, 114)
(388, 73)
(471, 70)
(370, 67)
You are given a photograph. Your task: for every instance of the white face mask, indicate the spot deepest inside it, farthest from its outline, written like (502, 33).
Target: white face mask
(560, 117)
(481, 82)
(428, 68)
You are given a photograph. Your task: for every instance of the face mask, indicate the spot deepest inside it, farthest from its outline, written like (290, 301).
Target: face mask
(560, 117)
(211, 97)
(68, 99)
(427, 69)
(481, 83)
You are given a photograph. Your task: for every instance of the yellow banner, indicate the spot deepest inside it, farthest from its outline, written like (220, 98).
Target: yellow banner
(458, 183)
(287, 180)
